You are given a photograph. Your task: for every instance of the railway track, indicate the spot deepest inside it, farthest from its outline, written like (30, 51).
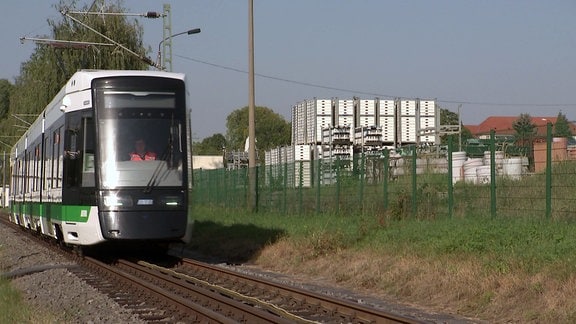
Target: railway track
(199, 292)
(298, 303)
(185, 290)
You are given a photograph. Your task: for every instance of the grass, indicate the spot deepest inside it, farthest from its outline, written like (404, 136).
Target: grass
(14, 309)
(497, 269)
(401, 239)
(11, 305)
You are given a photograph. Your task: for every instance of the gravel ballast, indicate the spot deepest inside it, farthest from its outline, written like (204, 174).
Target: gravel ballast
(48, 287)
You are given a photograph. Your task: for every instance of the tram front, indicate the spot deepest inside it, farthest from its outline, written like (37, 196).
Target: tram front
(141, 173)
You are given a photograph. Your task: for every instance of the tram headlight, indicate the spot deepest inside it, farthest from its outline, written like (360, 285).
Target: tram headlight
(172, 201)
(114, 200)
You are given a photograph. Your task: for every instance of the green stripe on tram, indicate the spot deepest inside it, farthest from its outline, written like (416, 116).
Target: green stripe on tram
(37, 210)
(75, 213)
(64, 213)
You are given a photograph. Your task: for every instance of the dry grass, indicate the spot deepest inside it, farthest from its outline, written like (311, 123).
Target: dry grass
(456, 285)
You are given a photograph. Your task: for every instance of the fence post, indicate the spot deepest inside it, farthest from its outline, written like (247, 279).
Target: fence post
(493, 173)
(318, 177)
(548, 170)
(300, 185)
(211, 189)
(338, 184)
(361, 173)
(414, 187)
(450, 179)
(257, 188)
(385, 179)
(285, 187)
(238, 193)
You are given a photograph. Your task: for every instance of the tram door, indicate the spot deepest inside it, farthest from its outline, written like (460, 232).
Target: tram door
(79, 180)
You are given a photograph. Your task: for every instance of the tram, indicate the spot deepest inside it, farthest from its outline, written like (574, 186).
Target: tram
(73, 177)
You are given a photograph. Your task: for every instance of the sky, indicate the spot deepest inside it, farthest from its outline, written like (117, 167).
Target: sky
(488, 57)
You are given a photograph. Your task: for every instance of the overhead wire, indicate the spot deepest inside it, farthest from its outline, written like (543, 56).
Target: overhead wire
(320, 86)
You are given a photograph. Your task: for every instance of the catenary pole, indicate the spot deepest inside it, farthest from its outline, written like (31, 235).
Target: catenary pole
(252, 194)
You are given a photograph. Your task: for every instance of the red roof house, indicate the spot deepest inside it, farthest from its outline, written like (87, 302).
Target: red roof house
(502, 125)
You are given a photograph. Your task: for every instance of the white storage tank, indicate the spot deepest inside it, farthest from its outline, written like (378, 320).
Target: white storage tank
(512, 168)
(458, 159)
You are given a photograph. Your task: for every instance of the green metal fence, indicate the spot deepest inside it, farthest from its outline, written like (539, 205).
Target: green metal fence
(419, 185)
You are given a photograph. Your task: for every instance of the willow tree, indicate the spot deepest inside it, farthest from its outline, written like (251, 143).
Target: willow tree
(51, 65)
(272, 129)
(5, 90)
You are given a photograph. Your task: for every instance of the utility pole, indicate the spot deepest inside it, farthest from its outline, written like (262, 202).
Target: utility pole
(252, 190)
(166, 32)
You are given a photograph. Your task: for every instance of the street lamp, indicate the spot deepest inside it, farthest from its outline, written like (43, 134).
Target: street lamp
(159, 63)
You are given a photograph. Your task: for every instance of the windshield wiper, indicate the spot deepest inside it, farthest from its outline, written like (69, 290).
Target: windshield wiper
(152, 182)
(168, 156)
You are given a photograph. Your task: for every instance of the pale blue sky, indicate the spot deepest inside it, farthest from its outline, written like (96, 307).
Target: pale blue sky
(493, 57)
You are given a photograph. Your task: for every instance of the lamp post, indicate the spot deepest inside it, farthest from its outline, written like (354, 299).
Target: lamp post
(159, 63)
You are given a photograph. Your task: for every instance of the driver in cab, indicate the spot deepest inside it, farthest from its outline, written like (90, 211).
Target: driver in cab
(140, 153)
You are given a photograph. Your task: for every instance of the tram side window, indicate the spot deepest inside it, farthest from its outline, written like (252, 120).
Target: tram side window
(21, 175)
(30, 173)
(17, 172)
(27, 173)
(16, 177)
(47, 163)
(19, 180)
(53, 161)
(37, 168)
(56, 159)
(88, 179)
(71, 155)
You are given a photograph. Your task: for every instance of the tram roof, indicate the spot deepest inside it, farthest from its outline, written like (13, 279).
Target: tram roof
(85, 77)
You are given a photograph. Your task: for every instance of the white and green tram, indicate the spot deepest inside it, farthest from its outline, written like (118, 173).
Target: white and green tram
(72, 177)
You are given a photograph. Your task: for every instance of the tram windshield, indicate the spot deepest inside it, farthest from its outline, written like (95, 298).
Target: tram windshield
(140, 141)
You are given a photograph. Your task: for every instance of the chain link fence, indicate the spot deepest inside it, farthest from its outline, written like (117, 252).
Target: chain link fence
(538, 182)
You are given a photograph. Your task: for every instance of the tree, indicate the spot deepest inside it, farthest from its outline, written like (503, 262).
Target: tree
(562, 126)
(448, 117)
(525, 129)
(525, 133)
(272, 130)
(117, 27)
(48, 69)
(5, 90)
(212, 145)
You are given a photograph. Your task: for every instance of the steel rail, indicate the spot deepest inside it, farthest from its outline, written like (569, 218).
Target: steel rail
(334, 307)
(235, 310)
(182, 304)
